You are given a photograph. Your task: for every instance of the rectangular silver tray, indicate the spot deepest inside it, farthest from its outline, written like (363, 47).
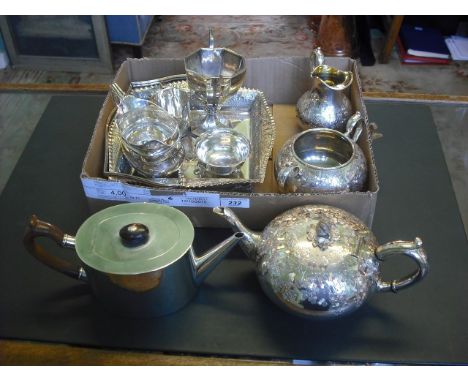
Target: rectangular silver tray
(248, 111)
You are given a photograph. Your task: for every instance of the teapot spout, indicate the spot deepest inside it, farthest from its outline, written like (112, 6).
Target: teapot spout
(205, 263)
(250, 240)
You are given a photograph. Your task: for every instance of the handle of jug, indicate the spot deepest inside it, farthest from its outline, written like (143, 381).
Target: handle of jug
(316, 58)
(210, 39)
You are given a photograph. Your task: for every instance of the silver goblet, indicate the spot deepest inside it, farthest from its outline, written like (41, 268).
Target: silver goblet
(213, 74)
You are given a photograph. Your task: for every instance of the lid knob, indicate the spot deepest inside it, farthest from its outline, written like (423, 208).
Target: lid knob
(134, 234)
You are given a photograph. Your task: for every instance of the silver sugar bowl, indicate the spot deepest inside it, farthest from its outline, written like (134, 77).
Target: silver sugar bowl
(323, 160)
(326, 104)
(319, 261)
(222, 152)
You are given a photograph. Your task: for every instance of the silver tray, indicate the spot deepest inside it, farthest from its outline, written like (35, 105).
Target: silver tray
(250, 114)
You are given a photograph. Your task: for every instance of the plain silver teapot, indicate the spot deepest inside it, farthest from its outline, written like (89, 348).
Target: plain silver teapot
(318, 261)
(137, 258)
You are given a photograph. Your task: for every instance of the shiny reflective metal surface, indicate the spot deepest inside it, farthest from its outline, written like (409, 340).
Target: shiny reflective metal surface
(248, 112)
(149, 129)
(174, 100)
(319, 261)
(159, 166)
(150, 141)
(138, 87)
(128, 102)
(213, 75)
(153, 290)
(222, 151)
(177, 103)
(326, 104)
(322, 160)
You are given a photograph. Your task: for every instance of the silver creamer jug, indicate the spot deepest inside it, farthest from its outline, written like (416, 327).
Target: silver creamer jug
(326, 104)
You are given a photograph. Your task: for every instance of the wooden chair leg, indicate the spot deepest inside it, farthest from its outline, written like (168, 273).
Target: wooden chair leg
(390, 39)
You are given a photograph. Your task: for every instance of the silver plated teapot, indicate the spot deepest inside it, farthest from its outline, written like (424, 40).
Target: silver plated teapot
(318, 261)
(326, 104)
(137, 258)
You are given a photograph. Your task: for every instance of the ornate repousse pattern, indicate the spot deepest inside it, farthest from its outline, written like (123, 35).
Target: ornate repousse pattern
(324, 108)
(296, 176)
(312, 278)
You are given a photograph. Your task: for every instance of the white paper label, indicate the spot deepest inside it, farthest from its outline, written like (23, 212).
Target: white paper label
(112, 190)
(199, 199)
(235, 202)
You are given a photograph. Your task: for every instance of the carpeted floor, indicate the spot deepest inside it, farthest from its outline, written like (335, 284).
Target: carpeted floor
(250, 36)
(260, 36)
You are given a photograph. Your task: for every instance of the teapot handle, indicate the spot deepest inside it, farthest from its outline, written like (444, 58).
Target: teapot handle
(37, 228)
(412, 249)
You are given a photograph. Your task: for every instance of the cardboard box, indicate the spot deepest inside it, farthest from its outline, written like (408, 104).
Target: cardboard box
(283, 80)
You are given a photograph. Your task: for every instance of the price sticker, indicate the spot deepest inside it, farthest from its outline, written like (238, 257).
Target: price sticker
(235, 202)
(112, 190)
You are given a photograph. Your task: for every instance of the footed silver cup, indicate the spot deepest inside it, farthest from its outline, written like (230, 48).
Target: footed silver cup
(213, 74)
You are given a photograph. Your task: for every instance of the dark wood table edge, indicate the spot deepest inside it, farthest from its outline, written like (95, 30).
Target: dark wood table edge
(32, 353)
(103, 88)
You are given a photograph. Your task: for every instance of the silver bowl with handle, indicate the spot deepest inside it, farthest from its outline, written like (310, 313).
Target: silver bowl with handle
(323, 160)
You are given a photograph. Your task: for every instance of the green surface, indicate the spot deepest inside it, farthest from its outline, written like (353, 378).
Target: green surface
(98, 242)
(230, 315)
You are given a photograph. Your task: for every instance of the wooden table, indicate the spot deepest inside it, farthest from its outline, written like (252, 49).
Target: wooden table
(26, 353)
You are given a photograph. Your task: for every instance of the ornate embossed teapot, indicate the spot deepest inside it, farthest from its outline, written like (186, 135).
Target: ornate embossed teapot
(318, 261)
